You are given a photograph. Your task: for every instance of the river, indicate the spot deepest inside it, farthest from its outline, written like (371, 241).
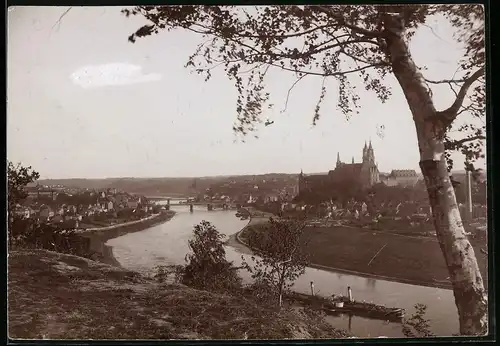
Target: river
(167, 243)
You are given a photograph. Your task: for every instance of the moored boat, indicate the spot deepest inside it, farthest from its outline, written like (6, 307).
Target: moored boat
(342, 305)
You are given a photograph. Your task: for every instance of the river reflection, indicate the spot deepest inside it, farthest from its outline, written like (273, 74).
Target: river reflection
(370, 283)
(167, 243)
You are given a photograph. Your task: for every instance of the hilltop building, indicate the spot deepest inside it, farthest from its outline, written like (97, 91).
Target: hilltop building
(402, 177)
(365, 174)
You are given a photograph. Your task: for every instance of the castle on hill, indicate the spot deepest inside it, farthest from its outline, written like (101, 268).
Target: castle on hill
(364, 174)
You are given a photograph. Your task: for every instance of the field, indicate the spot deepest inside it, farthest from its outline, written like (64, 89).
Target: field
(415, 260)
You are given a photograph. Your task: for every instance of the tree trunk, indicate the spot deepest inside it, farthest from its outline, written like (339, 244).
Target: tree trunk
(280, 289)
(468, 289)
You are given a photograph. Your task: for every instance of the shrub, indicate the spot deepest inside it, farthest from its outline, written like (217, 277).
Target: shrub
(28, 233)
(417, 326)
(280, 256)
(162, 273)
(207, 267)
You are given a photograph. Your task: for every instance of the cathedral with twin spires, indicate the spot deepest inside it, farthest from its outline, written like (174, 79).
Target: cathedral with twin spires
(365, 174)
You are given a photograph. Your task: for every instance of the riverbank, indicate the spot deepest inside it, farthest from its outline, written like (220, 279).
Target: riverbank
(88, 243)
(384, 256)
(97, 237)
(118, 230)
(236, 241)
(57, 296)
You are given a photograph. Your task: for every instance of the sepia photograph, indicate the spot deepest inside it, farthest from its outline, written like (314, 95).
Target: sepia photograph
(232, 172)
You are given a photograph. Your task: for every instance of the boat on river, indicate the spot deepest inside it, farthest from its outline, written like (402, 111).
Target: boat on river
(342, 305)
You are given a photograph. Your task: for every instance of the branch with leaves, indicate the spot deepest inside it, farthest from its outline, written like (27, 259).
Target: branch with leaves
(324, 41)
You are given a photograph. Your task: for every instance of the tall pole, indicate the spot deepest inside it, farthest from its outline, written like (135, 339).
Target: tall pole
(468, 196)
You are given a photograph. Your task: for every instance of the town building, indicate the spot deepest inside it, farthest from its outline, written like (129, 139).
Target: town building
(364, 174)
(401, 177)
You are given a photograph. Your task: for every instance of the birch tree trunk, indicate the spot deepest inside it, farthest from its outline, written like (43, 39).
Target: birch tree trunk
(468, 288)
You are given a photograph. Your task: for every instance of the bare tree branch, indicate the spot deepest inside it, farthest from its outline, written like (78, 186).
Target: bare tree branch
(456, 143)
(323, 74)
(253, 68)
(297, 34)
(451, 113)
(443, 81)
(290, 90)
(452, 89)
(469, 107)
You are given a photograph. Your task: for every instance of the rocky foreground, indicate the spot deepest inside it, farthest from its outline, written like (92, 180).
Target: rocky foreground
(58, 296)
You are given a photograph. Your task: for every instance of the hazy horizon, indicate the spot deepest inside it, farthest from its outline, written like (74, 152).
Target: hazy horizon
(84, 103)
(214, 176)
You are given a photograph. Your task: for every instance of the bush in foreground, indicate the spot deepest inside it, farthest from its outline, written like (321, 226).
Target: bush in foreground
(279, 256)
(206, 265)
(30, 234)
(417, 325)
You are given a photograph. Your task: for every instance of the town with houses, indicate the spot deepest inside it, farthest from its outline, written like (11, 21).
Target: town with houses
(83, 208)
(352, 192)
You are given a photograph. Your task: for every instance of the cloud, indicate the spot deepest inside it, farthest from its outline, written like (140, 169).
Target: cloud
(111, 74)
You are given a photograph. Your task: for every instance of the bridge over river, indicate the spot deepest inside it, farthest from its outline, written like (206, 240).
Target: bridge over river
(189, 202)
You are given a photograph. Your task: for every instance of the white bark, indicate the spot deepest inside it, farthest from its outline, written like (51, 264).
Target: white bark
(470, 296)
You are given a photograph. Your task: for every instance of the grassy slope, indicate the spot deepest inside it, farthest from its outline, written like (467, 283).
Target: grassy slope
(59, 296)
(407, 259)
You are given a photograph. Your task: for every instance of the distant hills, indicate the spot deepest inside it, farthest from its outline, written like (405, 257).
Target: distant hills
(159, 186)
(176, 186)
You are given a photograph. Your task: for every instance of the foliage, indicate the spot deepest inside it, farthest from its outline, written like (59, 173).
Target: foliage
(330, 42)
(207, 267)
(376, 196)
(478, 188)
(125, 213)
(279, 255)
(28, 233)
(18, 177)
(417, 325)
(340, 193)
(381, 193)
(163, 273)
(479, 193)
(84, 198)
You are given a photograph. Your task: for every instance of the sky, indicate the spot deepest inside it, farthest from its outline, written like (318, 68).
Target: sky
(83, 102)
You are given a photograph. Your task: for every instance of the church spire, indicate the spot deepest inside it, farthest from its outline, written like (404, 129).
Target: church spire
(353, 159)
(371, 154)
(338, 159)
